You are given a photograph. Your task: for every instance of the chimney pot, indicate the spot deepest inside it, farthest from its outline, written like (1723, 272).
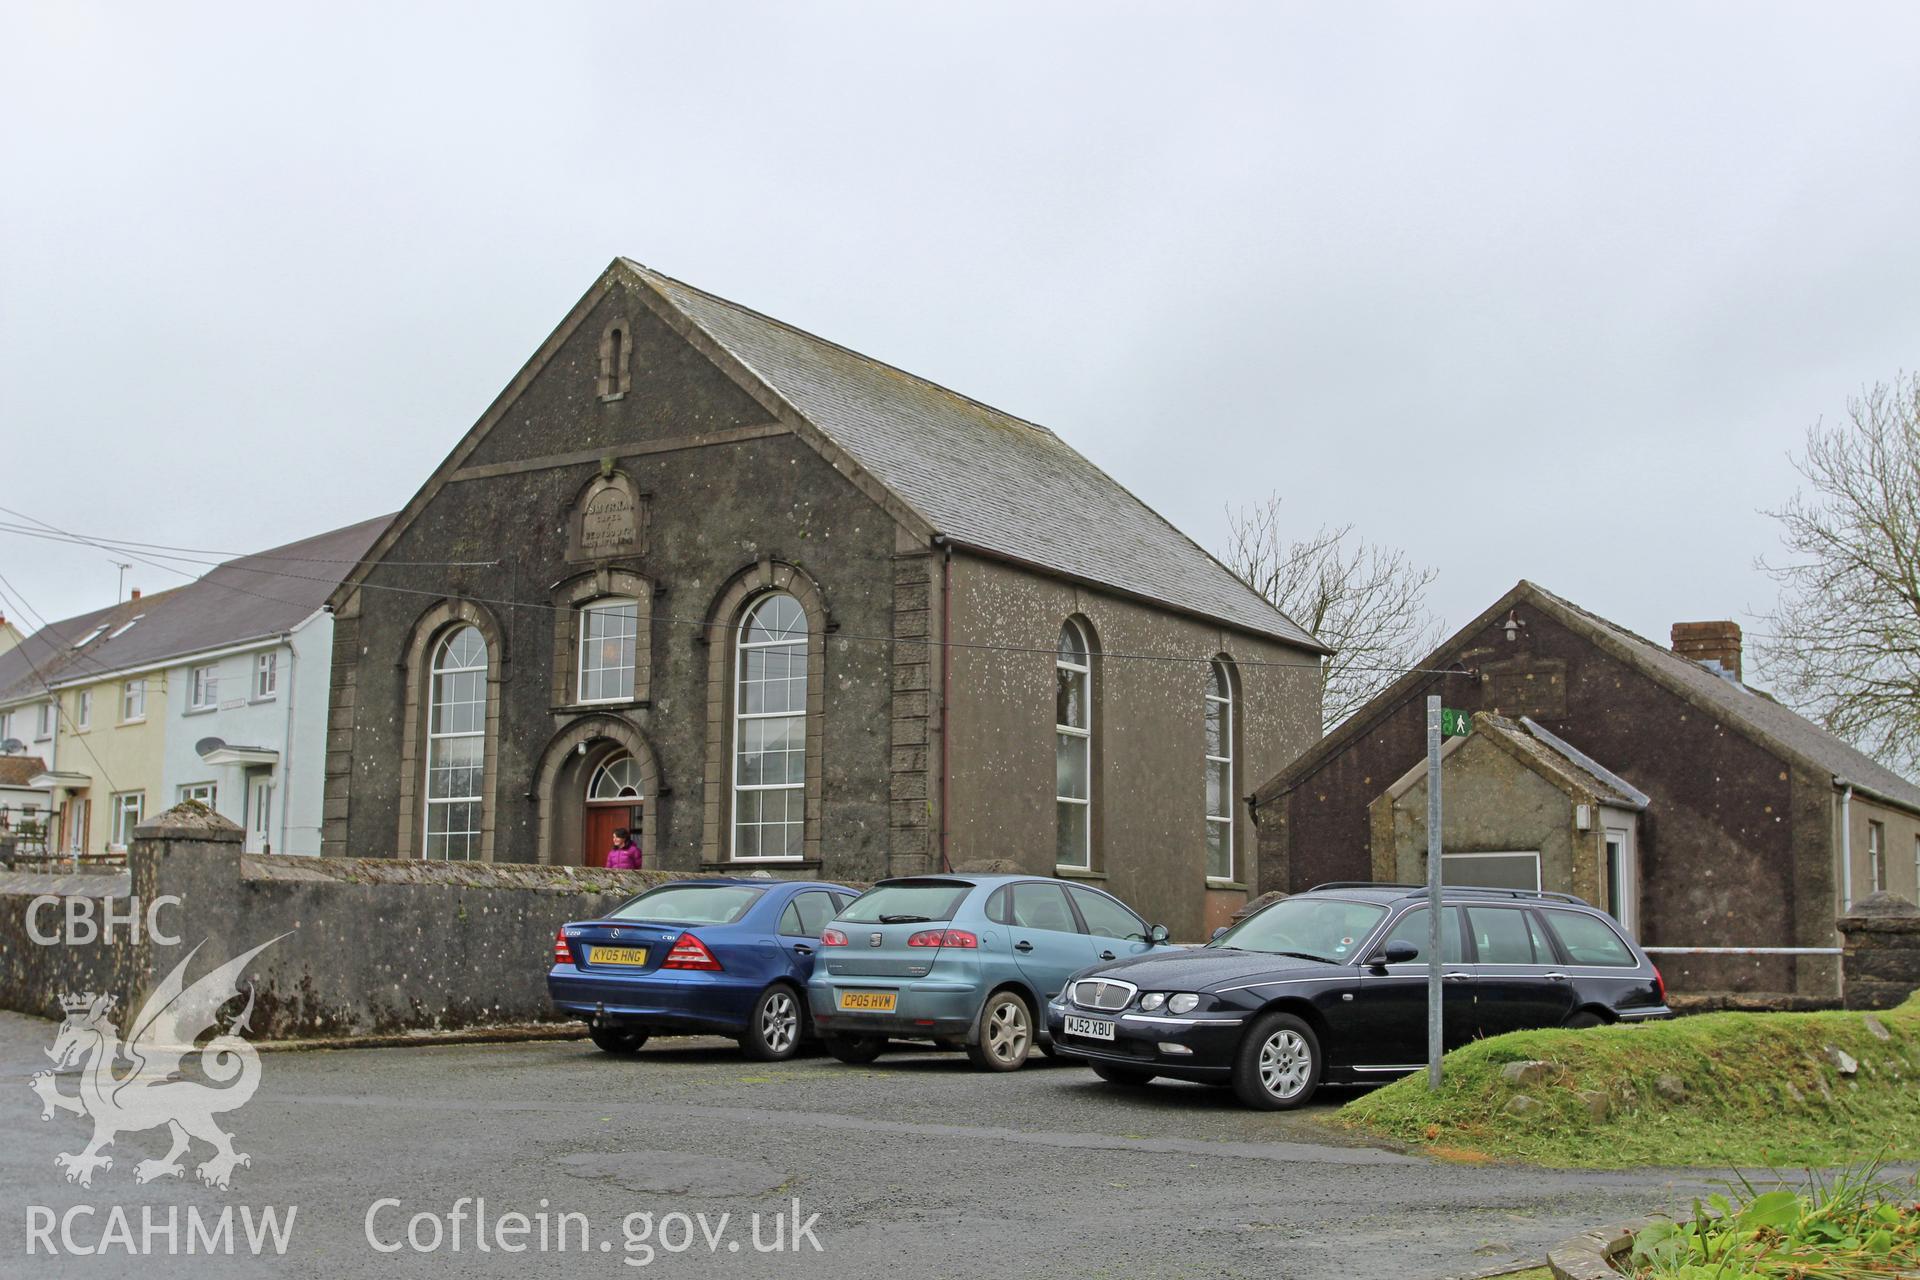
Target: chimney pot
(133, 595)
(1710, 642)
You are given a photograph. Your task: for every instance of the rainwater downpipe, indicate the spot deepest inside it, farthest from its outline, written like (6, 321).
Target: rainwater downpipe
(1846, 849)
(946, 663)
(286, 736)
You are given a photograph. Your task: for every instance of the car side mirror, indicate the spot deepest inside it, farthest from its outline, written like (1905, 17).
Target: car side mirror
(1157, 936)
(1398, 951)
(1217, 932)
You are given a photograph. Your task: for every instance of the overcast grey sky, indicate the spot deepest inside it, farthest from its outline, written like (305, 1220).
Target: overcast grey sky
(1530, 290)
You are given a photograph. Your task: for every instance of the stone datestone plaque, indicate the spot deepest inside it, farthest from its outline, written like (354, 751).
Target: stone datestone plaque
(609, 520)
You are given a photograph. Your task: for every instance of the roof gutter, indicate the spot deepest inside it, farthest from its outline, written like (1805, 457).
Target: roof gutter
(1878, 797)
(189, 657)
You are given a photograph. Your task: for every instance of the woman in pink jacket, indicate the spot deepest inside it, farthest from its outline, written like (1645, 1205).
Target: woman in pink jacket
(625, 854)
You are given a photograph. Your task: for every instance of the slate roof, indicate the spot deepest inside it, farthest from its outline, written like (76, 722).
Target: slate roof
(1551, 755)
(1792, 731)
(983, 478)
(246, 599)
(1737, 704)
(18, 771)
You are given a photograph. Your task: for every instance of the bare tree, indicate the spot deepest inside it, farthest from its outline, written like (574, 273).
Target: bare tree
(1844, 642)
(1366, 602)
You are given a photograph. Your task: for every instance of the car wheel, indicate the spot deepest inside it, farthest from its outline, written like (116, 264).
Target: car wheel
(775, 1025)
(621, 1040)
(1584, 1019)
(858, 1050)
(1279, 1064)
(1114, 1074)
(1005, 1034)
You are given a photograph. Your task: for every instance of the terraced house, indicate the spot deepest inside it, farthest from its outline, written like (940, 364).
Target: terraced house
(773, 604)
(215, 691)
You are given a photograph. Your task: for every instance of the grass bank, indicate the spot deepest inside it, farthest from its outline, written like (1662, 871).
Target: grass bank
(1751, 1089)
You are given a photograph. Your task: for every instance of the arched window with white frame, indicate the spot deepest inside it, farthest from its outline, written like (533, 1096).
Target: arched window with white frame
(456, 746)
(609, 634)
(1073, 748)
(770, 731)
(1219, 767)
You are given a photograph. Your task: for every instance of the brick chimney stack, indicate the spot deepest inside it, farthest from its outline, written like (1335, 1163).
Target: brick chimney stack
(133, 595)
(1715, 642)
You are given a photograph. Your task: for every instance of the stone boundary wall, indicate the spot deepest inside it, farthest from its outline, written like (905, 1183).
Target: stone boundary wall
(1881, 966)
(364, 945)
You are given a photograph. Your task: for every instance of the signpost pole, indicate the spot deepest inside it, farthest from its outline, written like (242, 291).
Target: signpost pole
(1434, 977)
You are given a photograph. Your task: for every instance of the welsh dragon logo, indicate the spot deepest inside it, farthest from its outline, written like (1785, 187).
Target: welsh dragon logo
(150, 1090)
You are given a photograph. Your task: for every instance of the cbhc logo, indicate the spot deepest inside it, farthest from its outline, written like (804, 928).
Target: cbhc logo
(88, 920)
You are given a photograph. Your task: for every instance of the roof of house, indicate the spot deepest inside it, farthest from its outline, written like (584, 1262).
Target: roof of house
(1536, 749)
(983, 478)
(1736, 704)
(18, 771)
(249, 598)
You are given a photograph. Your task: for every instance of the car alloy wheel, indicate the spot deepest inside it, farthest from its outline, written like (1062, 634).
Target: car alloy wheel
(1285, 1063)
(774, 1032)
(1005, 1034)
(1278, 1065)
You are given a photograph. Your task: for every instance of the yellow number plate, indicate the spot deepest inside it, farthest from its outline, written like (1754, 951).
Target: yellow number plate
(869, 1001)
(617, 955)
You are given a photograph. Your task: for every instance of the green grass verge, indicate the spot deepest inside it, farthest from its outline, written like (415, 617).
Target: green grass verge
(1720, 1089)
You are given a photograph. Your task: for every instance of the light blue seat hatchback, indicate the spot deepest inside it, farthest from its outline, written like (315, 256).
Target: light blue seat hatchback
(966, 961)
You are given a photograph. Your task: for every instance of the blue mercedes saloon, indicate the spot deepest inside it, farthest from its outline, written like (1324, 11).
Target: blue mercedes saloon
(724, 957)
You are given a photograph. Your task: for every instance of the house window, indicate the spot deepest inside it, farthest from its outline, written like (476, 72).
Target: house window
(203, 693)
(43, 729)
(1491, 870)
(127, 808)
(133, 700)
(83, 709)
(1073, 748)
(770, 731)
(1219, 765)
(266, 675)
(456, 742)
(1876, 857)
(609, 630)
(201, 792)
(6, 725)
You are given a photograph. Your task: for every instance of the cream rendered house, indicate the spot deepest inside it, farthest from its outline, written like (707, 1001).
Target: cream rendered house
(215, 691)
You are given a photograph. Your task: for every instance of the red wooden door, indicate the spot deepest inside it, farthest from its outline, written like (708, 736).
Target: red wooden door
(601, 820)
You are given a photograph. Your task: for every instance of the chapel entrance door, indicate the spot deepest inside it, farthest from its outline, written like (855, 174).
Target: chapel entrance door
(613, 800)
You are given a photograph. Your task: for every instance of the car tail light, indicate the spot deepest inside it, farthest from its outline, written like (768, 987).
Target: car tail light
(562, 953)
(832, 938)
(1659, 985)
(943, 938)
(690, 953)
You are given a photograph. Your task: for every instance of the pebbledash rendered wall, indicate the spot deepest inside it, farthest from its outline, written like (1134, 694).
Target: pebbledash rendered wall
(365, 945)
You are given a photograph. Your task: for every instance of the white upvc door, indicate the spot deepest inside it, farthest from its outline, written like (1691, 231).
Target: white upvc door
(259, 813)
(1623, 879)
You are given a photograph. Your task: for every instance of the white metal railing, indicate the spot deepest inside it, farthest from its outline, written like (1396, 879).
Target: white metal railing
(1743, 951)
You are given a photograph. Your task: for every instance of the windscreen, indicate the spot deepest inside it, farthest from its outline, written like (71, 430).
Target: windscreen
(1322, 928)
(691, 904)
(909, 902)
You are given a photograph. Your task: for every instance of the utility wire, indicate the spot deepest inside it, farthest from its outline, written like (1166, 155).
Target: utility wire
(54, 533)
(221, 557)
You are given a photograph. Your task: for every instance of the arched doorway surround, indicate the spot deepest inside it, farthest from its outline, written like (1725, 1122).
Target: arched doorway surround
(604, 755)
